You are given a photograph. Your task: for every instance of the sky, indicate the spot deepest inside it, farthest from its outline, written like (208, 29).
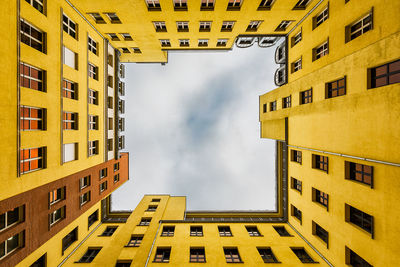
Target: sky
(192, 129)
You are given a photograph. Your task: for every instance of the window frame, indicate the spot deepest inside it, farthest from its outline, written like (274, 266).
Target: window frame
(372, 77)
(306, 96)
(197, 254)
(71, 31)
(196, 230)
(267, 255)
(227, 26)
(89, 255)
(28, 79)
(253, 25)
(162, 254)
(160, 26)
(40, 3)
(320, 51)
(40, 119)
(364, 28)
(23, 35)
(302, 255)
(135, 241)
(53, 216)
(321, 17)
(168, 231)
(225, 231)
(231, 254)
(92, 45)
(296, 185)
(265, 5)
(41, 159)
(320, 162)
(351, 173)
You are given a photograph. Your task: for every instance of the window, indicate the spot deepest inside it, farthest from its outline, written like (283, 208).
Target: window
(296, 213)
(90, 254)
(116, 166)
(116, 178)
(287, 102)
(32, 159)
(183, 42)
(93, 218)
(180, 5)
(32, 77)
(264, 108)
(222, 42)
(283, 25)
(160, 26)
(110, 102)
(320, 232)
(32, 36)
(113, 36)
(93, 97)
(103, 186)
(93, 71)
(272, 106)
(302, 255)
(93, 122)
(109, 231)
(227, 26)
(84, 182)
(207, 5)
(70, 152)
(320, 51)
(92, 45)
(197, 255)
(359, 218)
(385, 74)
(162, 255)
(121, 124)
(281, 230)
(320, 162)
(155, 200)
(98, 18)
(152, 208)
(355, 260)
(57, 216)
(11, 244)
(321, 17)
(32, 118)
(168, 231)
(234, 4)
(121, 142)
(69, 26)
(135, 241)
(70, 89)
(203, 42)
(70, 120)
(110, 60)
(110, 144)
(70, 238)
(232, 255)
(359, 27)
(335, 88)
(113, 18)
(145, 221)
(320, 197)
(265, 4)
(182, 26)
(41, 262)
(196, 230)
(136, 50)
(359, 172)
(301, 4)
(296, 184)
(224, 231)
(110, 124)
(123, 263)
(253, 25)
(296, 156)
(205, 26)
(165, 42)
(38, 4)
(56, 195)
(85, 198)
(267, 255)
(297, 38)
(253, 231)
(296, 66)
(153, 5)
(126, 36)
(11, 218)
(306, 97)
(93, 147)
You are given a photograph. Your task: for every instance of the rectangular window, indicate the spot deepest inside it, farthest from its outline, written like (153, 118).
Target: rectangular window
(306, 97)
(121, 142)
(335, 88)
(222, 42)
(321, 17)
(11, 244)
(11, 218)
(224, 231)
(93, 97)
(160, 26)
(296, 156)
(180, 5)
(113, 18)
(135, 241)
(320, 197)
(320, 163)
(84, 198)
(93, 147)
(90, 254)
(162, 255)
(125, 50)
(253, 25)
(69, 239)
(287, 102)
(232, 255)
(196, 230)
(265, 5)
(32, 118)
(70, 89)
(272, 106)
(41, 262)
(113, 36)
(359, 218)
(301, 4)
(155, 200)
(126, 36)
(116, 166)
(110, 144)
(110, 102)
(93, 218)
(137, 51)
(70, 27)
(354, 259)
(70, 152)
(93, 122)
(281, 230)
(93, 71)
(116, 178)
(103, 173)
(32, 159)
(84, 182)
(296, 184)
(320, 51)
(70, 120)
(182, 26)
(234, 5)
(267, 255)
(302, 255)
(151, 208)
(103, 186)
(384, 75)
(32, 77)
(297, 65)
(359, 172)
(207, 5)
(110, 123)
(38, 4)
(296, 213)
(145, 222)
(70, 58)
(253, 231)
(264, 108)
(56, 195)
(320, 232)
(168, 231)
(32, 36)
(109, 231)
(153, 5)
(297, 38)
(205, 26)
(97, 17)
(184, 42)
(203, 42)
(197, 255)
(92, 45)
(227, 26)
(57, 216)
(359, 27)
(165, 42)
(283, 25)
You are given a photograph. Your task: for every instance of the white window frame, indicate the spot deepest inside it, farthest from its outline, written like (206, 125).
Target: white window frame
(52, 215)
(266, 3)
(31, 37)
(227, 25)
(205, 25)
(103, 188)
(297, 38)
(160, 25)
(92, 99)
(203, 42)
(82, 184)
(112, 16)
(93, 119)
(254, 24)
(222, 42)
(32, 78)
(40, 157)
(284, 24)
(302, 3)
(69, 29)
(126, 36)
(6, 253)
(6, 218)
(92, 147)
(324, 51)
(92, 45)
(184, 42)
(92, 72)
(297, 65)
(180, 3)
(38, 2)
(363, 26)
(153, 3)
(82, 200)
(69, 90)
(208, 3)
(165, 42)
(324, 16)
(182, 25)
(235, 3)
(71, 121)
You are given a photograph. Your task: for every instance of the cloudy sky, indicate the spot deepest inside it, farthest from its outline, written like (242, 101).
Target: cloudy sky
(192, 129)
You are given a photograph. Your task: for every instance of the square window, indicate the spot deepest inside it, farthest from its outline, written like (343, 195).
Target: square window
(224, 231)
(70, 27)
(197, 255)
(135, 241)
(160, 26)
(302, 255)
(267, 255)
(162, 255)
(354, 259)
(227, 26)
(232, 255)
(320, 197)
(287, 102)
(272, 106)
(296, 156)
(56, 216)
(97, 17)
(32, 77)
(168, 231)
(207, 5)
(90, 254)
(320, 162)
(359, 173)
(306, 97)
(180, 5)
(253, 231)
(196, 230)
(32, 36)
(253, 25)
(144, 222)
(320, 17)
(113, 18)
(109, 231)
(39, 5)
